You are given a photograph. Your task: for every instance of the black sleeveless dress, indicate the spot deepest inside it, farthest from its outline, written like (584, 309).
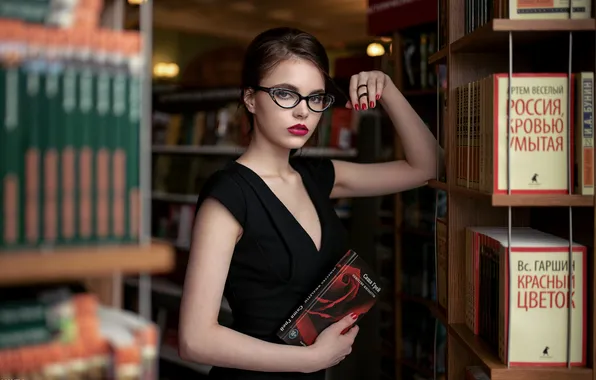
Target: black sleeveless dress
(275, 264)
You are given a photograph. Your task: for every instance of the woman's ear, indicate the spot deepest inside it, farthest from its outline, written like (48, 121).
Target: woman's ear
(249, 100)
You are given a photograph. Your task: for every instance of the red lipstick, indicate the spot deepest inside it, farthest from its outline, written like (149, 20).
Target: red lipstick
(298, 130)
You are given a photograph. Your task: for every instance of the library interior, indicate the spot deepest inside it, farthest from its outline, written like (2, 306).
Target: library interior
(98, 272)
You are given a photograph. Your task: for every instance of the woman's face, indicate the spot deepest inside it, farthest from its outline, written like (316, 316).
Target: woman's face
(288, 128)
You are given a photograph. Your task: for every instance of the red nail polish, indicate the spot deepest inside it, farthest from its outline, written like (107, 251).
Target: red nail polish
(378, 96)
(372, 104)
(363, 106)
(356, 107)
(353, 315)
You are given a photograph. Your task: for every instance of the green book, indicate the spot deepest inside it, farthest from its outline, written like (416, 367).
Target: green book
(86, 157)
(134, 128)
(69, 104)
(52, 168)
(120, 201)
(102, 148)
(33, 123)
(13, 153)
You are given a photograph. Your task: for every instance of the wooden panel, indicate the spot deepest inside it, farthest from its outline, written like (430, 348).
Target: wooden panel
(480, 353)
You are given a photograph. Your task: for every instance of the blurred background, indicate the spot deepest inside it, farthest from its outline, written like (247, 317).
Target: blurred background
(114, 114)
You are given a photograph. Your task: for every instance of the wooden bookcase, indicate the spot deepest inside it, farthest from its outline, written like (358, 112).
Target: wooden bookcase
(532, 46)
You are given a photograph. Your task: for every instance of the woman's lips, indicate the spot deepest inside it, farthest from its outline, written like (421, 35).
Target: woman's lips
(298, 130)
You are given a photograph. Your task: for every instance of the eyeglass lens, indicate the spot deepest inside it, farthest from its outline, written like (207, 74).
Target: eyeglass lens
(289, 99)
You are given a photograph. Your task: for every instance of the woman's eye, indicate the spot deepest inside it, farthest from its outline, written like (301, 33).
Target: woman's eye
(317, 99)
(283, 94)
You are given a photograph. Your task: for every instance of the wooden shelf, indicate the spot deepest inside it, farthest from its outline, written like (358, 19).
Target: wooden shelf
(439, 56)
(499, 371)
(36, 266)
(528, 200)
(494, 36)
(547, 200)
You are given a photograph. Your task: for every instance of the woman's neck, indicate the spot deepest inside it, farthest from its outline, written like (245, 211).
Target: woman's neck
(266, 158)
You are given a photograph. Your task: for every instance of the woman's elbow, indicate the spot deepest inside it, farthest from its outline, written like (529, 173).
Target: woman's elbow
(188, 347)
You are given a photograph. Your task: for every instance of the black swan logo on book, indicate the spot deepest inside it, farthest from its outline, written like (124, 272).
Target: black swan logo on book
(545, 352)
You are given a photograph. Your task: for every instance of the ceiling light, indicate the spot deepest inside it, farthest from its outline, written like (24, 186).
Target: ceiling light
(136, 2)
(375, 49)
(165, 70)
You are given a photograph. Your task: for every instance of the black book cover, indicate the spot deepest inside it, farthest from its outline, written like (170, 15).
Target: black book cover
(350, 287)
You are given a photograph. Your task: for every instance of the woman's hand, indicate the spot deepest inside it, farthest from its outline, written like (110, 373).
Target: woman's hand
(334, 343)
(366, 88)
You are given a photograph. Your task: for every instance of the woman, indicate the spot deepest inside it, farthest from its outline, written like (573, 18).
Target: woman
(265, 230)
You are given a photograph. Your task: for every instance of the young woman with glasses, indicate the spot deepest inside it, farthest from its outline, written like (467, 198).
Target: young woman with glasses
(266, 232)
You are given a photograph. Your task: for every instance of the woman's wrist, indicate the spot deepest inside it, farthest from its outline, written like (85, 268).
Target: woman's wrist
(312, 360)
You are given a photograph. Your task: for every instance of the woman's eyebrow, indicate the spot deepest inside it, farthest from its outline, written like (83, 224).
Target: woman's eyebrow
(294, 88)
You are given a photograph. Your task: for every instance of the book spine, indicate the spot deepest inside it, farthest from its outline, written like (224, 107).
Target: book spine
(33, 170)
(584, 134)
(3, 158)
(119, 157)
(102, 163)
(13, 175)
(133, 117)
(69, 105)
(51, 168)
(86, 154)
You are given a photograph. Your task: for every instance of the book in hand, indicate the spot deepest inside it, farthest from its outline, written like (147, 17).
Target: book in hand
(350, 287)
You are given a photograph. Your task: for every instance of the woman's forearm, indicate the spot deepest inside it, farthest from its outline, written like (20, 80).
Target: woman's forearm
(224, 347)
(417, 140)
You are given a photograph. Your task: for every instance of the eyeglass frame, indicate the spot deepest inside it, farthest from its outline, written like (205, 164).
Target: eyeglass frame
(269, 90)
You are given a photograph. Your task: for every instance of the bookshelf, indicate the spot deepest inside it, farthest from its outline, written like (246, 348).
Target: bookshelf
(57, 262)
(418, 342)
(503, 45)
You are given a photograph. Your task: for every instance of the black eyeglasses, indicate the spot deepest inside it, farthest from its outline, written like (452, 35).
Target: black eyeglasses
(286, 98)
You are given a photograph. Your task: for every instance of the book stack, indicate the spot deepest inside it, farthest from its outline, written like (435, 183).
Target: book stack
(550, 135)
(478, 14)
(62, 334)
(69, 172)
(518, 295)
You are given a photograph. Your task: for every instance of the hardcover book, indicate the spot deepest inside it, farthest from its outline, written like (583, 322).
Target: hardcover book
(350, 287)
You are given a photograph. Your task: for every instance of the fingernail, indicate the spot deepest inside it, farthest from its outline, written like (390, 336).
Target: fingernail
(372, 104)
(356, 107)
(353, 315)
(363, 106)
(378, 96)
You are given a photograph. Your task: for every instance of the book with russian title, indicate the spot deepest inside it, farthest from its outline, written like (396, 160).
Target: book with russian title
(350, 287)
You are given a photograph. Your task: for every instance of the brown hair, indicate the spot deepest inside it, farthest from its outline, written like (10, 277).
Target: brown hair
(273, 46)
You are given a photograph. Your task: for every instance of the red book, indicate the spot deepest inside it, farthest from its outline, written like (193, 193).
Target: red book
(350, 287)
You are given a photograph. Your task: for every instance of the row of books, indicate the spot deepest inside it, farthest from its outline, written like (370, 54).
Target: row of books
(54, 13)
(541, 138)
(228, 126)
(417, 73)
(64, 333)
(518, 294)
(478, 13)
(70, 135)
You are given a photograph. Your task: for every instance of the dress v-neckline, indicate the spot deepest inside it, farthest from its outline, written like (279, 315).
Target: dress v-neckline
(311, 195)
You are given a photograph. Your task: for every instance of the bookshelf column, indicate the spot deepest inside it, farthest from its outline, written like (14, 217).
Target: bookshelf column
(492, 56)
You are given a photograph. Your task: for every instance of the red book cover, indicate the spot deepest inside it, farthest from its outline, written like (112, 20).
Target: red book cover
(350, 287)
